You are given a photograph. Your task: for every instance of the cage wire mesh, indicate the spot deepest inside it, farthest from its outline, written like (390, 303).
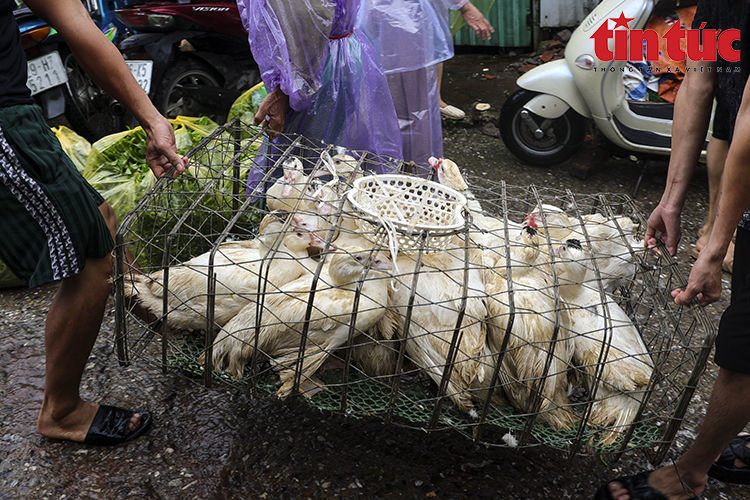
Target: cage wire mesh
(516, 315)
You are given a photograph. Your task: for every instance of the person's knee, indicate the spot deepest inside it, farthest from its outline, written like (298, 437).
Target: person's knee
(101, 269)
(109, 217)
(94, 279)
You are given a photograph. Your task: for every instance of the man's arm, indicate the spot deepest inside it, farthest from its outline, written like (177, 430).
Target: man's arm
(705, 277)
(104, 64)
(692, 114)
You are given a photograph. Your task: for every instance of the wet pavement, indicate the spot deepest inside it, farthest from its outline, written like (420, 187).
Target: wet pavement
(221, 444)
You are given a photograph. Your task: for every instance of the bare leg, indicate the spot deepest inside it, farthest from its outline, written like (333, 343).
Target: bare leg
(72, 325)
(439, 68)
(716, 155)
(728, 413)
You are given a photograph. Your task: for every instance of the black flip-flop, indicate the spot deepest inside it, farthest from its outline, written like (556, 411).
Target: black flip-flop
(637, 486)
(725, 471)
(110, 426)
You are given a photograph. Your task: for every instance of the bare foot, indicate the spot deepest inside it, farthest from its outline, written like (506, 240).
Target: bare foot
(74, 425)
(728, 263)
(702, 242)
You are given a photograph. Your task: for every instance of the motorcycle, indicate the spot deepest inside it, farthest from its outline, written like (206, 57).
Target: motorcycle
(92, 112)
(46, 74)
(544, 123)
(201, 58)
(59, 84)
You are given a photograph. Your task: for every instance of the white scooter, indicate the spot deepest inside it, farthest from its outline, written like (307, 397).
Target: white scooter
(544, 122)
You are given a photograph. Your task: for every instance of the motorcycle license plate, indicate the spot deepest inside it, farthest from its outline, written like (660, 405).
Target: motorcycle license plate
(45, 72)
(142, 73)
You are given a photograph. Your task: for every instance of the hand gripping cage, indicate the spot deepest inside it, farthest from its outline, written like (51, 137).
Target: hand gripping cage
(440, 298)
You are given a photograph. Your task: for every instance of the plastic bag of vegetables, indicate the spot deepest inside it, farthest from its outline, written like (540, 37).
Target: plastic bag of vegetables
(75, 146)
(7, 278)
(246, 105)
(117, 167)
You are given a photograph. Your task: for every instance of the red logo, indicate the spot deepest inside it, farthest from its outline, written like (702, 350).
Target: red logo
(630, 44)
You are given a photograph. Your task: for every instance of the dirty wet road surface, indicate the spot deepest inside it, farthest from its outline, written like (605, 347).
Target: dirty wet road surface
(221, 444)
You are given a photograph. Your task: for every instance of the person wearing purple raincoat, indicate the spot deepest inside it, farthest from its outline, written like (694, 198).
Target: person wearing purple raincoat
(412, 36)
(324, 78)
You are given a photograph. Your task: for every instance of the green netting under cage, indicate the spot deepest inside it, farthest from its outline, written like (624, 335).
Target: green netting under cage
(412, 406)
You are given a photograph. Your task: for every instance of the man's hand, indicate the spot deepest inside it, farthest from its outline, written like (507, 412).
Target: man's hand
(704, 282)
(272, 112)
(667, 222)
(161, 150)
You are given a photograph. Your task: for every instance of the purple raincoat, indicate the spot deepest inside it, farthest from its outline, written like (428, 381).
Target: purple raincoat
(412, 36)
(337, 90)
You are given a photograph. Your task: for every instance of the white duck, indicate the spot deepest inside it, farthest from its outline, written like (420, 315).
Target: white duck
(288, 188)
(613, 241)
(616, 247)
(319, 207)
(449, 175)
(236, 266)
(290, 191)
(488, 231)
(283, 317)
(604, 339)
(434, 318)
(535, 351)
(553, 220)
(347, 167)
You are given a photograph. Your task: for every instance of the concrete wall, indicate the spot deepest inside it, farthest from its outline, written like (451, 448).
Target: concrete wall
(555, 13)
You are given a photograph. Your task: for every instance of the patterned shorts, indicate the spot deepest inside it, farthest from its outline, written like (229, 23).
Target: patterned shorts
(49, 217)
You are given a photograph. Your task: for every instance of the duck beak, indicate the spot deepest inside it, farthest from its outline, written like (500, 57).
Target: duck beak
(380, 264)
(300, 223)
(318, 242)
(324, 208)
(435, 162)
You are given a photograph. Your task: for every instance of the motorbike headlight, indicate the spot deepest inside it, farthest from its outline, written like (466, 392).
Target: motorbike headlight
(586, 61)
(160, 20)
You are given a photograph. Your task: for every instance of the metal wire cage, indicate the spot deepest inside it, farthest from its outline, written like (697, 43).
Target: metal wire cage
(471, 335)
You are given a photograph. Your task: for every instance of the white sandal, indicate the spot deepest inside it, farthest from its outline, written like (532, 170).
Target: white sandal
(452, 112)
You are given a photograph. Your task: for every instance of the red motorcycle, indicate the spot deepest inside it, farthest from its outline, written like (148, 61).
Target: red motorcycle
(201, 58)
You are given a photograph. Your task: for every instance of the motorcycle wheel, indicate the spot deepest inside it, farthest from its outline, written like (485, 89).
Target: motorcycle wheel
(90, 111)
(561, 136)
(186, 71)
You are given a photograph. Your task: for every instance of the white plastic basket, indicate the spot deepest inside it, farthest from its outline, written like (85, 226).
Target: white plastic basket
(412, 205)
